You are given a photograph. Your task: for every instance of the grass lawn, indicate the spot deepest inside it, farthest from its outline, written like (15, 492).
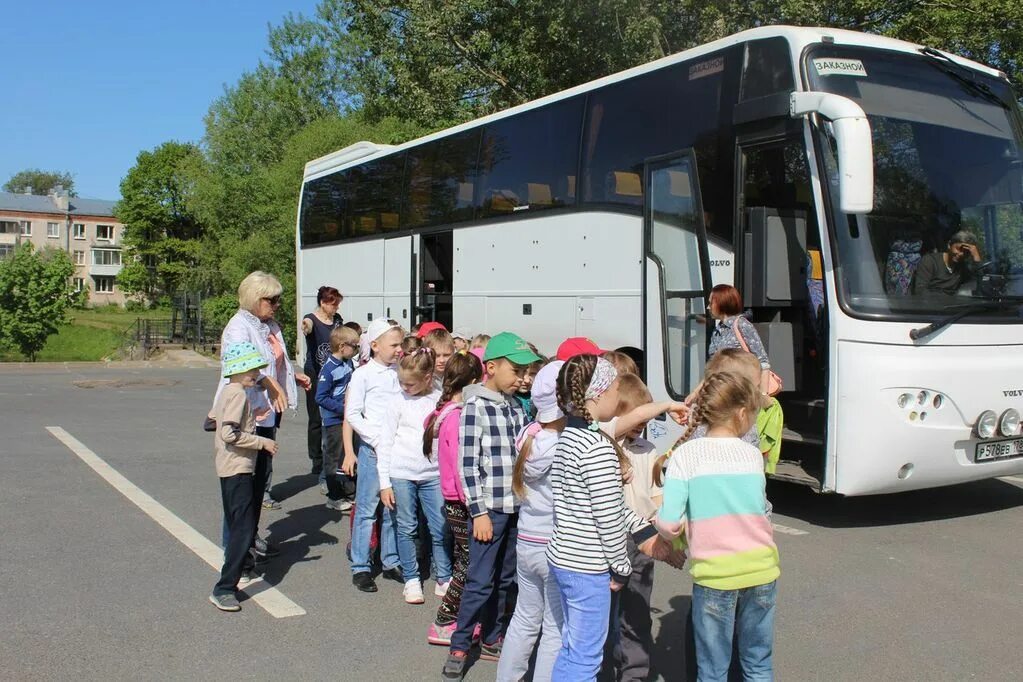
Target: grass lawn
(93, 334)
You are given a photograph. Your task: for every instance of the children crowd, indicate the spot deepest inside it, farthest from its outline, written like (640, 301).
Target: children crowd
(525, 488)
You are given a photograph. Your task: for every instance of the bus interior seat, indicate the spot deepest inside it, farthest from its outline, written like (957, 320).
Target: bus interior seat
(503, 200)
(625, 184)
(539, 194)
(389, 221)
(905, 249)
(465, 192)
(680, 186)
(366, 224)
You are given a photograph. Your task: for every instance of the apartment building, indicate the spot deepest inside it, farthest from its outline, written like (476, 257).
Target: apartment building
(85, 228)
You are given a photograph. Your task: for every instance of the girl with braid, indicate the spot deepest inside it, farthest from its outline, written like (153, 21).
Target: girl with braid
(714, 491)
(588, 551)
(440, 443)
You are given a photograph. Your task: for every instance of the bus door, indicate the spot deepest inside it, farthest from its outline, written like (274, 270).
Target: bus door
(399, 279)
(677, 275)
(782, 283)
(436, 278)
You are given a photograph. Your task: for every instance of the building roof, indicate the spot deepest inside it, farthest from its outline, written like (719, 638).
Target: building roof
(31, 203)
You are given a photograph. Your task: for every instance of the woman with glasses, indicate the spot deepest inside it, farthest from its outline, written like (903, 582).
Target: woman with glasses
(259, 297)
(316, 327)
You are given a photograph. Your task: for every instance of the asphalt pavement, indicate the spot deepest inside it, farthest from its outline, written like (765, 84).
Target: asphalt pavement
(920, 586)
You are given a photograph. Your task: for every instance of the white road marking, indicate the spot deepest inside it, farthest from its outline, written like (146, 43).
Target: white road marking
(270, 598)
(786, 530)
(1014, 479)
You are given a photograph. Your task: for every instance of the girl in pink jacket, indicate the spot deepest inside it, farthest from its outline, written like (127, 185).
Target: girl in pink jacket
(440, 439)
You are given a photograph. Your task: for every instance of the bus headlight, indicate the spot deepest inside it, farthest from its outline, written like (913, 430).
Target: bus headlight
(987, 422)
(1008, 423)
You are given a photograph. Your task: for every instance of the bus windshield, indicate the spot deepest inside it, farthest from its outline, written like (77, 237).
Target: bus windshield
(947, 224)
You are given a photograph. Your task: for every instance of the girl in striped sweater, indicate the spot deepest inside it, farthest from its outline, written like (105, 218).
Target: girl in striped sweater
(587, 552)
(714, 491)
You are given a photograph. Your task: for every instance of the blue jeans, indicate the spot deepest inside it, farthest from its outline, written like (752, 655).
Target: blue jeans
(367, 501)
(749, 613)
(408, 497)
(586, 608)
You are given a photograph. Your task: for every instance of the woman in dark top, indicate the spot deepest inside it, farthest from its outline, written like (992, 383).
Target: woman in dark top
(316, 326)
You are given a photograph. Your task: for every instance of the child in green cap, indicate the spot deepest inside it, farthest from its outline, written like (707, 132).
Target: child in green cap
(491, 419)
(236, 446)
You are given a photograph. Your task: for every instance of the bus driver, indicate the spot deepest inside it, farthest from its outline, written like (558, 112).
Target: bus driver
(945, 272)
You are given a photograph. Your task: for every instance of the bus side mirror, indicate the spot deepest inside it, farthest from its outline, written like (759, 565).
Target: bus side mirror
(855, 148)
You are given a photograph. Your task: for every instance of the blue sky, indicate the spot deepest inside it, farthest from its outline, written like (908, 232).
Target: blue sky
(88, 85)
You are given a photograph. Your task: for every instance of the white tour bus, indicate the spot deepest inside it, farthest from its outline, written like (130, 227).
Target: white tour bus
(814, 169)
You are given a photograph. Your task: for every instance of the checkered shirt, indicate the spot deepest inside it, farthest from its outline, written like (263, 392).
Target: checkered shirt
(487, 435)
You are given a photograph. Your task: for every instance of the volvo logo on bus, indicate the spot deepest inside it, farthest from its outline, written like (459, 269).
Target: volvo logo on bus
(1013, 393)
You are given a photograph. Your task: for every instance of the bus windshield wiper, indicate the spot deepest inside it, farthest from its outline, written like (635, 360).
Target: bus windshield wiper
(969, 309)
(961, 74)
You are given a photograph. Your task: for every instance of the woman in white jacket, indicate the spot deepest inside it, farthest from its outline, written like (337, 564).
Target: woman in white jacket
(259, 297)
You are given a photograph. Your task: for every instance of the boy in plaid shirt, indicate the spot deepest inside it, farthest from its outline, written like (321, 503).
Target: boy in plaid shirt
(491, 418)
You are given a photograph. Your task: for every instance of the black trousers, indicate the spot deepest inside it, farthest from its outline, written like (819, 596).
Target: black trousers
(241, 512)
(315, 433)
(263, 477)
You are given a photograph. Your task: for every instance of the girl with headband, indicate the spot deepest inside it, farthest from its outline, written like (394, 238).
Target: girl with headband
(587, 552)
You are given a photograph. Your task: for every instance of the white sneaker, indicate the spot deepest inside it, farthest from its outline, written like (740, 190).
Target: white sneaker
(441, 589)
(341, 505)
(413, 592)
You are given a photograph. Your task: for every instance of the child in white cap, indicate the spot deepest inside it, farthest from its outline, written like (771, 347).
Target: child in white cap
(373, 386)
(538, 607)
(236, 446)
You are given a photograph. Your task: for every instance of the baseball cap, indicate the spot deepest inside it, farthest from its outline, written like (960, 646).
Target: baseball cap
(545, 393)
(378, 328)
(577, 345)
(241, 357)
(510, 346)
(428, 327)
(461, 333)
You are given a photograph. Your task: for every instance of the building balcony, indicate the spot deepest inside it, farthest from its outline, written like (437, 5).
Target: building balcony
(104, 270)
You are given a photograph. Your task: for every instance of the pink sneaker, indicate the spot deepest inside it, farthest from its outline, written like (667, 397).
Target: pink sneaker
(477, 633)
(440, 634)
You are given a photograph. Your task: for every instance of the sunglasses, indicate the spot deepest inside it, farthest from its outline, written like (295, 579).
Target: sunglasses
(273, 300)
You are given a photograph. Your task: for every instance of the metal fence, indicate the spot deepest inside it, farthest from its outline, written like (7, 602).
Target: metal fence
(148, 335)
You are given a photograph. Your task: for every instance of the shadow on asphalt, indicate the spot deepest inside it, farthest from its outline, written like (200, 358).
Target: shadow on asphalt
(296, 535)
(916, 506)
(293, 485)
(673, 657)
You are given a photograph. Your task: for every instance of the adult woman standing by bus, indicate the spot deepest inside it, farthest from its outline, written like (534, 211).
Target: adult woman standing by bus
(316, 326)
(259, 297)
(733, 330)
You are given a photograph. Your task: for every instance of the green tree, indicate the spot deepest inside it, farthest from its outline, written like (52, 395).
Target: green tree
(40, 182)
(160, 231)
(35, 297)
(440, 63)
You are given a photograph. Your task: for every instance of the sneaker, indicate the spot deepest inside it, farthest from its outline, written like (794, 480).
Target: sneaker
(492, 652)
(339, 505)
(227, 602)
(364, 582)
(454, 667)
(413, 592)
(323, 487)
(477, 633)
(393, 574)
(441, 588)
(265, 548)
(440, 634)
(246, 578)
(271, 503)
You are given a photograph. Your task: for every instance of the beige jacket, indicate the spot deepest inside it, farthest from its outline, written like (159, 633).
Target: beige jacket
(236, 443)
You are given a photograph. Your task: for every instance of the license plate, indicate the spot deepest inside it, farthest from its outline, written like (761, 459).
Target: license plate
(999, 449)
